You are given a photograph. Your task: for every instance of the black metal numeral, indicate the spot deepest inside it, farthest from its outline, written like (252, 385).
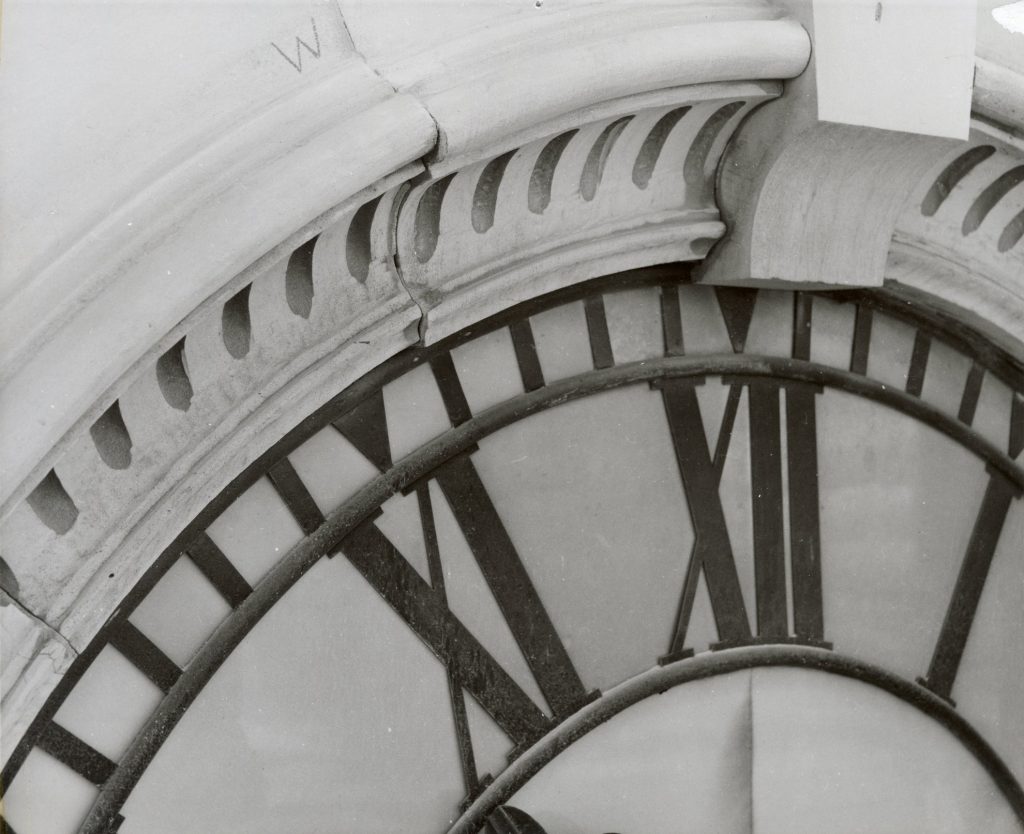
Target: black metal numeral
(981, 547)
(426, 612)
(463, 739)
(500, 564)
(81, 757)
(366, 428)
(217, 568)
(144, 654)
(712, 551)
(293, 492)
(768, 519)
(804, 513)
(766, 509)
(508, 580)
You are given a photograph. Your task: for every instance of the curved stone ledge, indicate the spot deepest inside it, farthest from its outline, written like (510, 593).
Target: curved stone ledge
(960, 238)
(631, 189)
(132, 401)
(522, 67)
(999, 95)
(348, 317)
(36, 666)
(197, 231)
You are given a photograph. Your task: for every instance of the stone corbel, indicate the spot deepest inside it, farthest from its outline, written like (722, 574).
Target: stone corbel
(572, 141)
(822, 209)
(825, 205)
(842, 206)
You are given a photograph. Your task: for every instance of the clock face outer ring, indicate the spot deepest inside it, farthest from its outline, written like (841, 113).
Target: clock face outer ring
(324, 537)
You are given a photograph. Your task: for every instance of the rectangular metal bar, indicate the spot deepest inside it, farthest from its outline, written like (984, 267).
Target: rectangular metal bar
(513, 590)
(526, 354)
(426, 613)
(671, 320)
(766, 509)
(457, 699)
(802, 307)
(732, 406)
(597, 330)
(972, 391)
(296, 497)
(970, 582)
(1016, 440)
(804, 512)
(76, 754)
(861, 340)
(143, 654)
(918, 363)
(217, 568)
(451, 389)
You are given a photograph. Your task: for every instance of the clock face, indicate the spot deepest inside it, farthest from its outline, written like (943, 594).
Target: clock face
(647, 557)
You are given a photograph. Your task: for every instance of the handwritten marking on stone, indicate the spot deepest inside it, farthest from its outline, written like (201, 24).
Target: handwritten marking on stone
(300, 44)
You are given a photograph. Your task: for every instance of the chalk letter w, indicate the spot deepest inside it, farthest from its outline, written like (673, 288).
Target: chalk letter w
(299, 45)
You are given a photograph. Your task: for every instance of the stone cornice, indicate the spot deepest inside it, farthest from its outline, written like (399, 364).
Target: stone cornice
(130, 401)
(999, 95)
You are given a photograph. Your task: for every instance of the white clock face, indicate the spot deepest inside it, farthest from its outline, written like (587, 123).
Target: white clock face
(765, 750)
(797, 515)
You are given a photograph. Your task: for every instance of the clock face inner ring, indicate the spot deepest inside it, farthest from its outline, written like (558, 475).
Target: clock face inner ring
(756, 738)
(454, 559)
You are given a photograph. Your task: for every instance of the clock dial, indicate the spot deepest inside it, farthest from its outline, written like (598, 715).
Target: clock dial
(510, 820)
(769, 750)
(402, 615)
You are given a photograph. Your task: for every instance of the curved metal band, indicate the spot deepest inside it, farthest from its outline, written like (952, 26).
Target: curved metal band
(662, 678)
(423, 461)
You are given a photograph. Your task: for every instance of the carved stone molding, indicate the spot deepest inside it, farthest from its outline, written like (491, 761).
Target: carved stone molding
(120, 294)
(300, 256)
(632, 188)
(999, 95)
(226, 390)
(499, 78)
(961, 242)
